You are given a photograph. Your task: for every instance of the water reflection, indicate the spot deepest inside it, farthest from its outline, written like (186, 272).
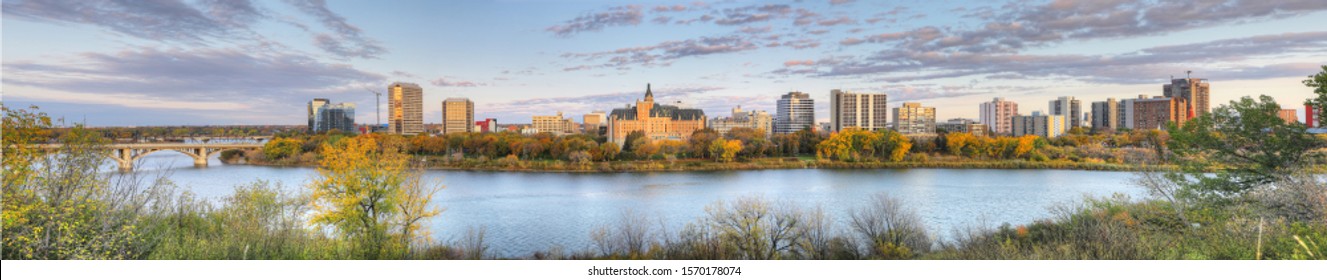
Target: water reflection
(535, 211)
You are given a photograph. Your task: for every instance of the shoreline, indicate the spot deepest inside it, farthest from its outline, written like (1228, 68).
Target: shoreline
(692, 165)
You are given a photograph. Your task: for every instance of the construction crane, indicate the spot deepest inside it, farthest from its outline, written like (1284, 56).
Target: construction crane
(378, 103)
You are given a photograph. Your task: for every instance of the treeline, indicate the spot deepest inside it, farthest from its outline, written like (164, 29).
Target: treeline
(508, 150)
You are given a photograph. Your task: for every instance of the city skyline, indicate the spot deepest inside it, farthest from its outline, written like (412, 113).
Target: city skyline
(240, 62)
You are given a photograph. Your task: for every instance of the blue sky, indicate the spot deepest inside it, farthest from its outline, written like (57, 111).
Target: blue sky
(197, 62)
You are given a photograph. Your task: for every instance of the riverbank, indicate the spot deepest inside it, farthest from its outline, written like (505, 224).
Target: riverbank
(681, 165)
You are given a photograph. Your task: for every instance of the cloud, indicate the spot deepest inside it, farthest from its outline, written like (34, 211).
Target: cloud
(666, 8)
(792, 63)
(1021, 28)
(171, 20)
(751, 14)
(523, 108)
(1142, 66)
(200, 22)
(346, 40)
(443, 82)
(837, 21)
(840, 2)
(664, 53)
(615, 16)
(151, 75)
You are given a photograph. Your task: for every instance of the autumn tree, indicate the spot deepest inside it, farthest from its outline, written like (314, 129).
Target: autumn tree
(281, 148)
(366, 191)
(956, 142)
(725, 150)
(700, 142)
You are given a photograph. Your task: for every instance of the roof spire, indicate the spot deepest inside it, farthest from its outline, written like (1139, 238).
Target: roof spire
(649, 96)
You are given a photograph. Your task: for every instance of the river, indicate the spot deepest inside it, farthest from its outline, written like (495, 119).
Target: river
(526, 212)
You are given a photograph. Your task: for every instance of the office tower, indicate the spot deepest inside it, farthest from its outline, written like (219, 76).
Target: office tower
(339, 116)
(405, 109)
(1070, 108)
(313, 113)
(1194, 93)
(794, 111)
(457, 115)
(913, 119)
(866, 111)
(656, 121)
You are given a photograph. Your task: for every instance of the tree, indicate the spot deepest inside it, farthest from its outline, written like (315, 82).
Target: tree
(609, 151)
(956, 142)
(628, 145)
(755, 228)
(62, 204)
(365, 191)
(700, 142)
(281, 148)
(893, 145)
(1245, 141)
(894, 231)
(725, 150)
(1319, 84)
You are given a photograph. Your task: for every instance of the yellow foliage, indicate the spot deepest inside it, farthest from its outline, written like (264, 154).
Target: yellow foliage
(366, 191)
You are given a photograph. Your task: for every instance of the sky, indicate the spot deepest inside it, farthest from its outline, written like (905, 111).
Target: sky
(225, 62)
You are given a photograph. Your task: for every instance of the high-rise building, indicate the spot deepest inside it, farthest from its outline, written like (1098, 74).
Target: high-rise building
(1070, 108)
(457, 115)
(1194, 92)
(557, 125)
(1289, 115)
(405, 109)
(794, 111)
(866, 111)
(325, 116)
(313, 112)
(1154, 113)
(997, 115)
(1046, 126)
(759, 120)
(657, 122)
(340, 116)
(964, 126)
(1106, 115)
(913, 119)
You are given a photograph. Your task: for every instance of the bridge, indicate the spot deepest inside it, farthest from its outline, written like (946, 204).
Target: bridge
(127, 154)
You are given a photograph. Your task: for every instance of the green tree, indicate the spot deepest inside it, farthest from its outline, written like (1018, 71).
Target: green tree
(1319, 84)
(1244, 141)
(628, 143)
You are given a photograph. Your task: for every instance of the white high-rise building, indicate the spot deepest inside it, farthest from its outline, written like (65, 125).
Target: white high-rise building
(794, 111)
